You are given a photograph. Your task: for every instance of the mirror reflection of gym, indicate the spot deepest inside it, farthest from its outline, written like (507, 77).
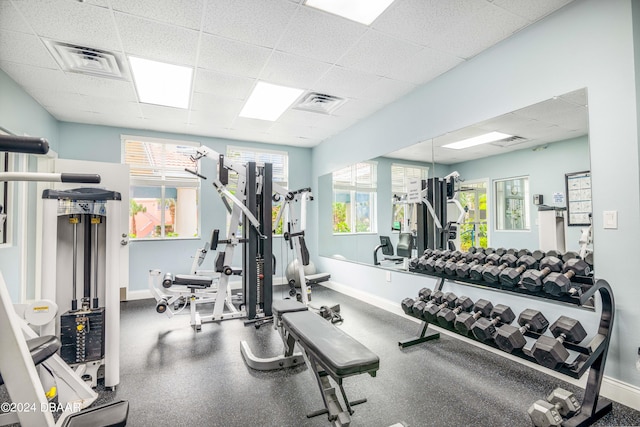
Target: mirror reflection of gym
(547, 140)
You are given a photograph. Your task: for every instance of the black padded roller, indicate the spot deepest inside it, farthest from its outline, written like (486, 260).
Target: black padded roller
(23, 144)
(86, 178)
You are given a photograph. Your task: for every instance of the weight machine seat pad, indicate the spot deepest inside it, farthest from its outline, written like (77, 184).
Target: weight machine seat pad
(192, 279)
(41, 348)
(113, 414)
(334, 349)
(279, 307)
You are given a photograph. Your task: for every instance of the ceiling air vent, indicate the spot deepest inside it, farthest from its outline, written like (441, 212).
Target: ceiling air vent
(512, 140)
(86, 60)
(319, 103)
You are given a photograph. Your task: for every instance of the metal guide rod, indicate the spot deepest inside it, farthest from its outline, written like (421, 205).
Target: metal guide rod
(95, 262)
(74, 281)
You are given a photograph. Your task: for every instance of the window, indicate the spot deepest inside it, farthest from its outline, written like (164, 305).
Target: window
(279, 161)
(354, 199)
(512, 204)
(164, 197)
(473, 231)
(405, 215)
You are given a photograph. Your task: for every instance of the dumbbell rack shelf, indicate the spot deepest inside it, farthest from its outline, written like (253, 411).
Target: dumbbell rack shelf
(591, 356)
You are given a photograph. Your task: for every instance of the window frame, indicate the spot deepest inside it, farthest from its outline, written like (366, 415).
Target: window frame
(163, 183)
(354, 188)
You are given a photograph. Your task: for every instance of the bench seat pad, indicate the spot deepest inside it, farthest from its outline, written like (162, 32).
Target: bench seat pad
(279, 307)
(192, 279)
(335, 350)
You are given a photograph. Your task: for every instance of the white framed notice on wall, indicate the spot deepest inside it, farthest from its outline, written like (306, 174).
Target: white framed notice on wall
(578, 185)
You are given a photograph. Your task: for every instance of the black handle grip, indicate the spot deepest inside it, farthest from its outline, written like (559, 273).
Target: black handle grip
(86, 178)
(191, 171)
(23, 144)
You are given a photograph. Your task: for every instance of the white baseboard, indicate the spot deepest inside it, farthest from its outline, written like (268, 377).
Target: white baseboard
(611, 388)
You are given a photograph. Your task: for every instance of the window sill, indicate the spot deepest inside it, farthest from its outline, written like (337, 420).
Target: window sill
(165, 239)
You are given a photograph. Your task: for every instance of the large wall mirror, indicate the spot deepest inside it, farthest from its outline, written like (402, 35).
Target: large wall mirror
(507, 188)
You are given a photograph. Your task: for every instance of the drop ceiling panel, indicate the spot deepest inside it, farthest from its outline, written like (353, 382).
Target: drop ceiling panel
(257, 22)
(344, 82)
(160, 113)
(59, 100)
(108, 106)
(11, 20)
(232, 57)
(531, 10)
(319, 35)
(294, 71)
(357, 108)
(103, 88)
(424, 66)
(387, 89)
(376, 53)
(422, 21)
(72, 22)
(157, 41)
(37, 77)
(222, 85)
(488, 26)
(176, 12)
(25, 49)
(299, 117)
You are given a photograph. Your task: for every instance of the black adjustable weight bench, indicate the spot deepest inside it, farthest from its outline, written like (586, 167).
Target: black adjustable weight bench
(330, 352)
(191, 281)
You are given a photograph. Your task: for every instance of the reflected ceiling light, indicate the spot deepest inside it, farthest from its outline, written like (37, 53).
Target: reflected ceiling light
(269, 101)
(363, 11)
(161, 83)
(477, 140)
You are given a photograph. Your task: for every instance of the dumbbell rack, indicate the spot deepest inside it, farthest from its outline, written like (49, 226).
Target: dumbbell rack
(590, 356)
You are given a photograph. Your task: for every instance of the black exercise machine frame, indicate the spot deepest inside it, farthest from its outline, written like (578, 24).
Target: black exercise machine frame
(591, 356)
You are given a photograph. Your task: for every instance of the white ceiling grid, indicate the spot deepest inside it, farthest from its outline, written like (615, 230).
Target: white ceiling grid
(233, 43)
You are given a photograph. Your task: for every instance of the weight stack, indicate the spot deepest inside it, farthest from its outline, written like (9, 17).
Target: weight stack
(82, 336)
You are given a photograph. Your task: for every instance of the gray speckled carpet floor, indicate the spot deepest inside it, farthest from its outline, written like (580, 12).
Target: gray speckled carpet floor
(173, 376)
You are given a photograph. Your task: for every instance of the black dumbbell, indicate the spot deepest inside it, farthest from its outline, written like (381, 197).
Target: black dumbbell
(569, 255)
(462, 270)
(532, 279)
(509, 338)
(557, 284)
(560, 403)
(510, 276)
(407, 303)
(464, 321)
(485, 329)
(447, 316)
(419, 305)
(475, 272)
(451, 266)
(523, 252)
(588, 258)
(442, 261)
(538, 255)
(550, 352)
(430, 312)
(491, 274)
(429, 264)
(489, 251)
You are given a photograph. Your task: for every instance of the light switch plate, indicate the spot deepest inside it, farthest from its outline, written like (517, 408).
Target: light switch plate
(610, 219)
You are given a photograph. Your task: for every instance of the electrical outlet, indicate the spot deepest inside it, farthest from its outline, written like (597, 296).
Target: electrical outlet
(388, 276)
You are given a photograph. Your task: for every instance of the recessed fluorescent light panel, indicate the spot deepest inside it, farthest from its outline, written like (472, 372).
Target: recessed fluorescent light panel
(161, 83)
(477, 140)
(363, 11)
(269, 101)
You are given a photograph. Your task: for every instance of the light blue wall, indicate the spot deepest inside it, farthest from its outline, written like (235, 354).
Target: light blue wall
(22, 115)
(545, 169)
(103, 143)
(588, 43)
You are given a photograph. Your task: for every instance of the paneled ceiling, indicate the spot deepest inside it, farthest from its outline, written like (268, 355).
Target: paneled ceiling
(234, 43)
